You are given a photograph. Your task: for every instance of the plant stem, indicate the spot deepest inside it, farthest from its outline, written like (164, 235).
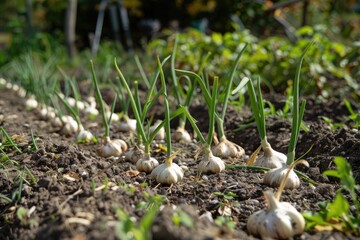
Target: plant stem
(296, 112)
(212, 109)
(133, 105)
(100, 101)
(227, 92)
(167, 112)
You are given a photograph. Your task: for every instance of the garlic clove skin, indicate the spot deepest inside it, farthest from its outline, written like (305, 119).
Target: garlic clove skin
(181, 135)
(280, 220)
(146, 164)
(210, 164)
(228, 149)
(274, 177)
(161, 133)
(167, 174)
(112, 148)
(134, 154)
(271, 158)
(128, 125)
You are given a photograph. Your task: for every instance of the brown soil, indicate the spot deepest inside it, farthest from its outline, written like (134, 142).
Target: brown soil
(82, 208)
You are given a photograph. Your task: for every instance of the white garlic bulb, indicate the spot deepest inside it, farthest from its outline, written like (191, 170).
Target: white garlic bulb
(56, 122)
(227, 149)
(161, 133)
(85, 136)
(210, 163)
(134, 154)
(112, 148)
(31, 103)
(70, 126)
(91, 112)
(146, 163)
(127, 125)
(280, 220)
(114, 116)
(271, 158)
(181, 135)
(168, 172)
(47, 113)
(274, 177)
(2, 82)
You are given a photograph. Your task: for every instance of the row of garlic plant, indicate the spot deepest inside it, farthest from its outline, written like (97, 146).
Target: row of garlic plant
(170, 173)
(280, 219)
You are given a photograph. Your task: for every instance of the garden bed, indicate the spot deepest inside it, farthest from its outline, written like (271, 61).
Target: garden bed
(79, 195)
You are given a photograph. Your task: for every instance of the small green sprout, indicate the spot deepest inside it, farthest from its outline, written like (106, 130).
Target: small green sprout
(337, 214)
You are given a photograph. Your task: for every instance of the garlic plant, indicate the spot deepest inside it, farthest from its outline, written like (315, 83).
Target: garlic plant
(183, 99)
(168, 172)
(208, 162)
(280, 220)
(109, 148)
(270, 158)
(146, 163)
(275, 176)
(226, 148)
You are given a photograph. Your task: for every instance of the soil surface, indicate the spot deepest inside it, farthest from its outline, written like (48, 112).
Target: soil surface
(79, 195)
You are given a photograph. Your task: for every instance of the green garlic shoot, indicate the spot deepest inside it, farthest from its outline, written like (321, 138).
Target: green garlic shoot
(168, 172)
(224, 148)
(274, 176)
(183, 98)
(271, 158)
(208, 162)
(109, 148)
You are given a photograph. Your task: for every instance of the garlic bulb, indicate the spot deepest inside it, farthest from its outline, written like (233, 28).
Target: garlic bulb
(271, 158)
(280, 220)
(274, 177)
(210, 163)
(84, 136)
(56, 122)
(127, 125)
(114, 116)
(181, 135)
(227, 149)
(70, 126)
(146, 163)
(161, 133)
(2, 82)
(112, 148)
(168, 172)
(31, 103)
(91, 112)
(134, 154)
(47, 113)
(72, 102)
